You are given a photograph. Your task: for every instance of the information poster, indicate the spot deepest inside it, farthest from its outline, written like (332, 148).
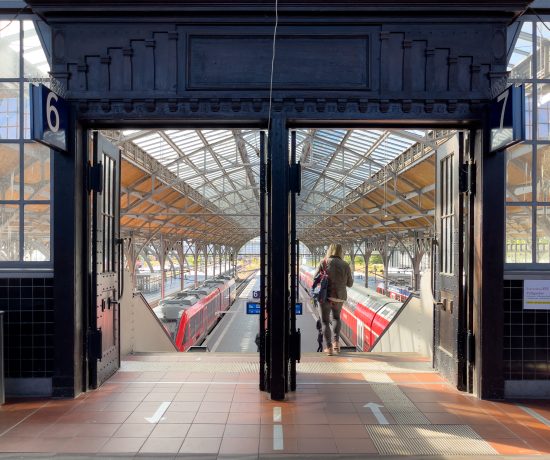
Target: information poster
(536, 295)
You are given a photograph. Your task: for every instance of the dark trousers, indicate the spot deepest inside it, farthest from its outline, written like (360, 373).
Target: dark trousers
(335, 308)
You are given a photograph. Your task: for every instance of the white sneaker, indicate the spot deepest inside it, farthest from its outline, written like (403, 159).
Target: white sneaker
(336, 347)
(328, 351)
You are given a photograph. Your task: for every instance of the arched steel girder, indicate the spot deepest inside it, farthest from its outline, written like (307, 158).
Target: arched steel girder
(237, 199)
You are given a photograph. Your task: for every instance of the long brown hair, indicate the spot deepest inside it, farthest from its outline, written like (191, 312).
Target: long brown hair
(334, 250)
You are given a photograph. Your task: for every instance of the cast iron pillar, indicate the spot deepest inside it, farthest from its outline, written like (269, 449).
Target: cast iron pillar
(278, 146)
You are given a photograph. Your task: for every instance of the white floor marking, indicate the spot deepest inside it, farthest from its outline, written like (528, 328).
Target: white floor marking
(278, 440)
(532, 413)
(375, 408)
(157, 416)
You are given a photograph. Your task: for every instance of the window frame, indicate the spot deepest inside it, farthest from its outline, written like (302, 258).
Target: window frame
(534, 142)
(11, 268)
(447, 215)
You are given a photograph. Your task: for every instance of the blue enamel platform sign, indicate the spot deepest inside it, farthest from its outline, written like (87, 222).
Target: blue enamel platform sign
(50, 118)
(253, 308)
(507, 119)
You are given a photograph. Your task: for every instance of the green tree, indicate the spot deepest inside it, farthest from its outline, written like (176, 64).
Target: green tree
(375, 259)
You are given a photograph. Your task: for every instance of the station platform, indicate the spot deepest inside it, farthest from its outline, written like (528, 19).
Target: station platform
(236, 331)
(354, 405)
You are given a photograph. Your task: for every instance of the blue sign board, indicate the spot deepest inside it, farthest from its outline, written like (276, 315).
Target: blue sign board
(50, 118)
(253, 308)
(507, 120)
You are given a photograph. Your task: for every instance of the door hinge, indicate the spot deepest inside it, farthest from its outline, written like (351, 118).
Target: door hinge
(94, 344)
(295, 178)
(94, 179)
(467, 178)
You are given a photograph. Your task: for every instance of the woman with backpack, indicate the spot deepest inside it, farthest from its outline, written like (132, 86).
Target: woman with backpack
(338, 273)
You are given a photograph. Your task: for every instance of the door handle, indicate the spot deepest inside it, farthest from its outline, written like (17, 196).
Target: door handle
(120, 243)
(112, 302)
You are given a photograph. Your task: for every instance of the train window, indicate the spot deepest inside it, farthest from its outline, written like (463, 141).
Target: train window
(446, 198)
(194, 325)
(187, 333)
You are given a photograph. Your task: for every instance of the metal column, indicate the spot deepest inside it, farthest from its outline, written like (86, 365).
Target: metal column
(196, 263)
(278, 257)
(291, 347)
(263, 265)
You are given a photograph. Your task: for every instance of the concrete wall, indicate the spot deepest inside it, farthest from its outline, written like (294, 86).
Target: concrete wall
(140, 330)
(412, 331)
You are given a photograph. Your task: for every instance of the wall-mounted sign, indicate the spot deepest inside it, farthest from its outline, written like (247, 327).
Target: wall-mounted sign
(253, 308)
(536, 295)
(50, 118)
(507, 118)
(255, 294)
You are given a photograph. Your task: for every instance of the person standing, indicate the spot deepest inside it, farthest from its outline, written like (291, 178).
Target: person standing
(339, 279)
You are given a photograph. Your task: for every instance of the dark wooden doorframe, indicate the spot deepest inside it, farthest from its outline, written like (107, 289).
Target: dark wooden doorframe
(103, 333)
(279, 154)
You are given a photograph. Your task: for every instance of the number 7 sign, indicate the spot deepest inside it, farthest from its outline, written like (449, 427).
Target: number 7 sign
(507, 120)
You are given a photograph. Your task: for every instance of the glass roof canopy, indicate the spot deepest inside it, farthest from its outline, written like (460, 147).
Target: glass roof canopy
(223, 167)
(336, 162)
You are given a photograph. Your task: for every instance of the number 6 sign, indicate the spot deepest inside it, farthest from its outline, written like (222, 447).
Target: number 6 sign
(50, 118)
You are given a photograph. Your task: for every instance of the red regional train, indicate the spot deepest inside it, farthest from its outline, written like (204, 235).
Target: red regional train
(190, 315)
(365, 315)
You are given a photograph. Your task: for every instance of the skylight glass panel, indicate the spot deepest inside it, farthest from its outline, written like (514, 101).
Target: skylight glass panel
(35, 61)
(520, 62)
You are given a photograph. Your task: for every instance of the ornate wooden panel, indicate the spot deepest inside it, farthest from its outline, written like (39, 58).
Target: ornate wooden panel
(349, 66)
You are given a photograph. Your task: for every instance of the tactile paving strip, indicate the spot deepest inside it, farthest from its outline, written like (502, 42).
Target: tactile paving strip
(202, 367)
(370, 368)
(358, 366)
(399, 406)
(428, 440)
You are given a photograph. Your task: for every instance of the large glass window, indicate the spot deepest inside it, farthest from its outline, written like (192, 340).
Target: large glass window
(10, 36)
(446, 199)
(9, 232)
(528, 164)
(519, 235)
(25, 166)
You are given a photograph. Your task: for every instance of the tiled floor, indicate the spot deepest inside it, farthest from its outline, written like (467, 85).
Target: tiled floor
(357, 404)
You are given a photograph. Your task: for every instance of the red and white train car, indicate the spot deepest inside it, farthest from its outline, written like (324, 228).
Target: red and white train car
(365, 315)
(191, 314)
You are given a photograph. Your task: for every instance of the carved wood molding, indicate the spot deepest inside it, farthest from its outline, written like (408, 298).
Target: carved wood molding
(257, 109)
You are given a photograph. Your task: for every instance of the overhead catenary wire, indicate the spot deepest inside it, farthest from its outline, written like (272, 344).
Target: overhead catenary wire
(273, 53)
(13, 19)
